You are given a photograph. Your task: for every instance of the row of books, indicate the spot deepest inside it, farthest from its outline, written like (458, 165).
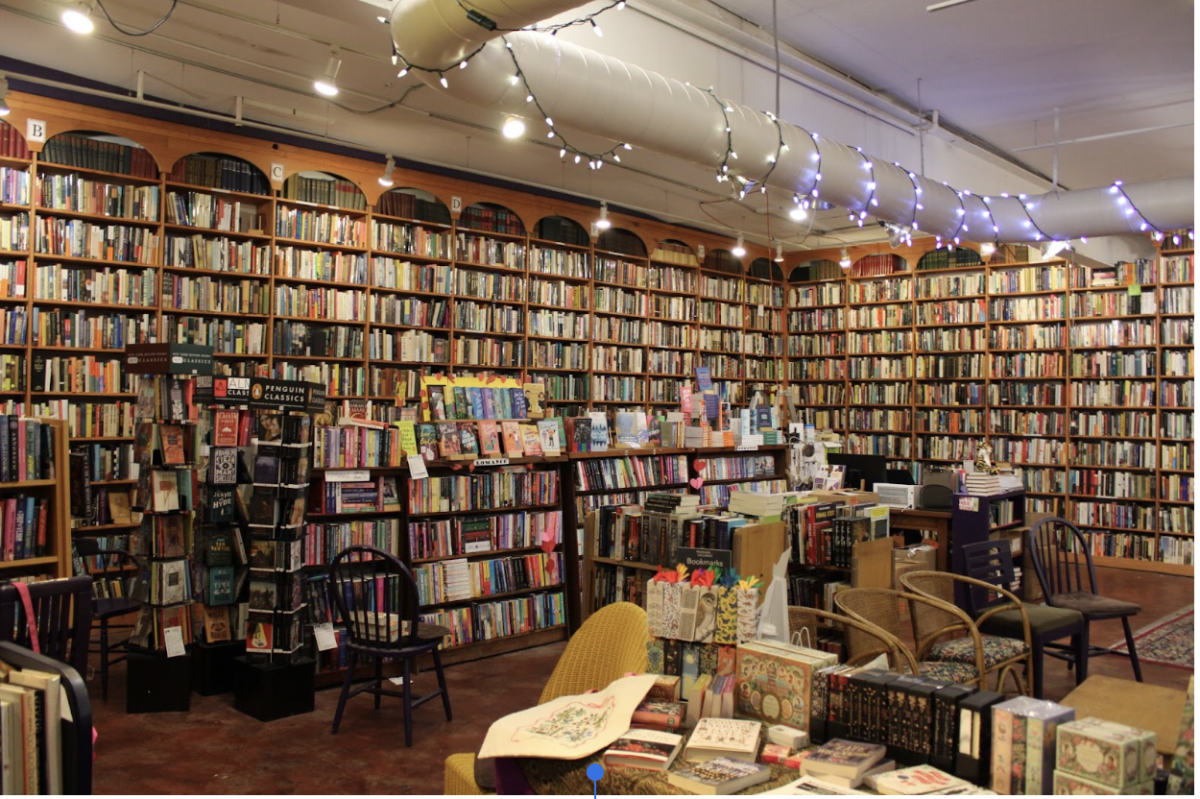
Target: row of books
(459, 579)
(824, 533)
(484, 621)
(630, 472)
(83, 195)
(482, 491)
(24, 527)
(26, 449)
(220, 173)
(472, 535)
(322, 542)
(83, 151)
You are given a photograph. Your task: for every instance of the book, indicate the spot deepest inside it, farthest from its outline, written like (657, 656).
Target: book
(118, 507)
(216, 624)
(512, 439)
(915, 781)
(166, 491)
(843, 758)
(437, 404)
(530, 441)
(48, 706)
(659, 714)
(223, 465)
(654, 750)
(724, 738)
(489, 439)
(720, 775)
(24, 741)
(225, 428)
(171, 437)
(548, 437)
(449, 443)
(427, 441)
(468, 439)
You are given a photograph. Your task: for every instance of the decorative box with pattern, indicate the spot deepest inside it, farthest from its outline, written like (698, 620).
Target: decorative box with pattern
(775, 682)
(1107, 753)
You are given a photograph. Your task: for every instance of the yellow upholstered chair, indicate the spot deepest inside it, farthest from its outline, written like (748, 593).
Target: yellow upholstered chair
(611, 643)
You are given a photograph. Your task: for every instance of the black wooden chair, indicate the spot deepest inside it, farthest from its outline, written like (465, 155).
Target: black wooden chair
(991, 562)
(62, 611)
(104, 609)
(1058, 551)
(377, 602)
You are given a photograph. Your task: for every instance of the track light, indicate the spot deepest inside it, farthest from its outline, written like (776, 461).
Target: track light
(845, 263)
(327, 83)
(778, 253)
(4, 109)
(739, 249)
(385, 179)
(513, 128)
(78, 18)
(602, 223)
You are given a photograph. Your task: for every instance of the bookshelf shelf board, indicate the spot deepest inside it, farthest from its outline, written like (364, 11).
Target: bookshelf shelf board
(524, 460)
(14, 253)
(286, 201)
(675, 292)
(123, 482)
(322, 245)
(23, 484)
(1009, 526)
(958, 433)
(638, 289)
(715, 450)
(950, 270)
(719, 325)
(1021, 407)
(613, 343)
(537, 337)
(1122, 318)
(624, 315)
(514, 270)
(633, 564)
(347, 514)
(12, 393)
(944, 325)
(99, 439)
(49, 560)
(399, 255)
(881, 380)
(1040, 379)
(750, 329)
(878, 430)
(241, 355)
(550, 277)
(1150, 468)
(733, 480)
(1142, 565)
(107, 306)
(175, 185)
(414, 292)
(962, 405)
(590, 491)
(1113, 528)
(501, 595)
(200, 312)
(221, 274)
(630, 402)
(477, 511)
(86, 394)
(312, 320)
(407, 221)
(952, 297)
(13, 160)
(497, 646)
(817, 357)
(120, 176)
(280, 356)
(393, 326)
(1178, 471)
(103, 528)
(488, 334)
(666, 374)
(1175, 283)
(87, 215)
(875, 303)
(549, 307)
(486, 554)
(326, 283)
(87, 261)
(1188, 502)
(1177, 346)
(68, 348)
(534, 368)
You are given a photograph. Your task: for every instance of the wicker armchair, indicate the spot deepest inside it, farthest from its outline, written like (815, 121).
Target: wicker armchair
(610, 644)
(880, 607)
(864, 641)
(931, 625)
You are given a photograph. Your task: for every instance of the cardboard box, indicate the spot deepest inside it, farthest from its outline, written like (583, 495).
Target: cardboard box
(912, 559)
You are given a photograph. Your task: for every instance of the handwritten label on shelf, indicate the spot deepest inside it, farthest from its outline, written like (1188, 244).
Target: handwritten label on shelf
(323, 633)
(745, 448)
(173, 637)
(347, 476)
(416, 468)
(492, 462)
(969, 504)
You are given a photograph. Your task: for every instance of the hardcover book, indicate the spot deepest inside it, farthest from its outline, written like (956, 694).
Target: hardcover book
(724, 738)
(437, 403)
(512, 439)
(166, 490)
(225, 428)
(720, 776)
(173, 452)
(659, 714)
(489, 439)
(843, 758)
(548, 437)
(915, 781)
(646, 749)
(223, 465)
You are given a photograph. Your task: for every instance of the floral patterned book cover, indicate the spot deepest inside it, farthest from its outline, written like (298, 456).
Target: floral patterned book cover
(1106, 753)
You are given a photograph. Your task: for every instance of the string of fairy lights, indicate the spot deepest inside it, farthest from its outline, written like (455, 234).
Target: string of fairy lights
(804, 199)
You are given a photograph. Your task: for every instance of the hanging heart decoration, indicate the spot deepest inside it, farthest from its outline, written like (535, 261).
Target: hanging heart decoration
(696, 482)
(699, 465)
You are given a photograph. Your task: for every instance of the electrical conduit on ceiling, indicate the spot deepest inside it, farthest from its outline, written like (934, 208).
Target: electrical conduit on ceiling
(607, 97)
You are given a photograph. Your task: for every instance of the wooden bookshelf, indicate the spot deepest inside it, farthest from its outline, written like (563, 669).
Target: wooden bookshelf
(54, 558)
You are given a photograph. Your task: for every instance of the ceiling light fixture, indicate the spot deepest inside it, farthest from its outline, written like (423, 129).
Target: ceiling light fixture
(845, 263)
(1055, 246)
(327, 83)
(602, 223)
(987, 249)
(739, 249)
(798, 213)
(385, 179)
(778, 253)
(513, 128)
(4, 109)
(945, 4)
(78, 18)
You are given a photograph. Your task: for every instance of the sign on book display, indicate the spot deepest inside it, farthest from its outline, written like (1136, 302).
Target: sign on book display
(569, 727)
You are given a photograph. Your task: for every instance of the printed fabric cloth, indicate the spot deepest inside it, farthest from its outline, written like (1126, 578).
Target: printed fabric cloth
(962, 650)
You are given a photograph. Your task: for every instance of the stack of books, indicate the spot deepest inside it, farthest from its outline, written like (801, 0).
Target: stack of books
(1024, 735)
(672, 503)
(846, 763)
(1104, 757)
(984, 485)
(767, 507)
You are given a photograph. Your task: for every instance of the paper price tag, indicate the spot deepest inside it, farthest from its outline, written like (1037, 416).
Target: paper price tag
(416, 467)
(325, 638)
(347, 476)
(745, 448)
(173, 636)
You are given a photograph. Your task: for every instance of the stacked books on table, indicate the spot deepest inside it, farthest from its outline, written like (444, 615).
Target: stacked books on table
(1024, 731)
(980, 484)
(846, 763)
(1096, 757)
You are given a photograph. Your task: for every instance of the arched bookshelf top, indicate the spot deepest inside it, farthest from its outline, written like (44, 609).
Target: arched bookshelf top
(765, 269)
(412, 203)
(12, 142)
(104, 152)
(324, 188)
(949, 258)
(674, 251)
(218, 171)
(492, 218)
(562, 230)
(721, 260)
(883, 263)
(817, 269)
(620, 240)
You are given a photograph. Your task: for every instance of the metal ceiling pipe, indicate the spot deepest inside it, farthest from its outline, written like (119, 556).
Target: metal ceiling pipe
(582, 90)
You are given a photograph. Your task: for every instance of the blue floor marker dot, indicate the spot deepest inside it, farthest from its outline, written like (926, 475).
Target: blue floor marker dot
(595, 773)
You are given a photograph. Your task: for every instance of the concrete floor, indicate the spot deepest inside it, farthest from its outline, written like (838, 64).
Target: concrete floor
(214, 749)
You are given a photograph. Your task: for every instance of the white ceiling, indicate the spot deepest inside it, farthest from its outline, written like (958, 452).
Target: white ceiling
(994, 69)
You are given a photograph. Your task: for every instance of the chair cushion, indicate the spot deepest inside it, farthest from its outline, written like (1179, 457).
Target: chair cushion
(1095, 605)
(948, 671)
(1044, 622)
(431, 632)
(996, 649)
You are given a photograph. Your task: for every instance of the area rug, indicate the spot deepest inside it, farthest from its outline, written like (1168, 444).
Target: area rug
(1168, 642)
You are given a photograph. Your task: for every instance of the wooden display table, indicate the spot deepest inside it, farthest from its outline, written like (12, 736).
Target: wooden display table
(1147, 707)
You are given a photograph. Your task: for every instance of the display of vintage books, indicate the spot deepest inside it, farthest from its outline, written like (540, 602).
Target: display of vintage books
(167, 451)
